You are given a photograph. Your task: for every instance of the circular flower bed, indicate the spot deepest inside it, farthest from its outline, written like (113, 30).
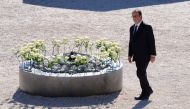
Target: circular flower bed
(70, 67)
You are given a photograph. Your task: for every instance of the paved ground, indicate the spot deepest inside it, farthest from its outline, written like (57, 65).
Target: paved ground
(169, 75)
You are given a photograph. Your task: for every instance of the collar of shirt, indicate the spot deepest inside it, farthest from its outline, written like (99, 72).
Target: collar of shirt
(138, 24)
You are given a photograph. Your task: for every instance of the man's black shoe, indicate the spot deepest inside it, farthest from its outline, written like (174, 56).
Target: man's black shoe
(142, 97)
(149, 93)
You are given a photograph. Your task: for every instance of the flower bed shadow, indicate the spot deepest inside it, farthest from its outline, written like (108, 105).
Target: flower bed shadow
(26, 100)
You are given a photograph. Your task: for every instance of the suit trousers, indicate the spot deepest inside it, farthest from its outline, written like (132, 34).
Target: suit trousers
(142, 75)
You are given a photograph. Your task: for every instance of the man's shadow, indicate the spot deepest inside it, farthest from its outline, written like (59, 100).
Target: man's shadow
(25, 100)
(141, 104)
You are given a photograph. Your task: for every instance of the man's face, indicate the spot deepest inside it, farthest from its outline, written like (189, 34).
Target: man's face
(136, 17)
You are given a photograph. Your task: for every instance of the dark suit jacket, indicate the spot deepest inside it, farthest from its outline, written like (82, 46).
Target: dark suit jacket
(142, 43)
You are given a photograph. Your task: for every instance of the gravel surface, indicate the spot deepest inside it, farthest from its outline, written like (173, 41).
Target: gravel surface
(169, 75)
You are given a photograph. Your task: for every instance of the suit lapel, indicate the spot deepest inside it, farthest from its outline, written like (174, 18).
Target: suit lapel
(139, 30)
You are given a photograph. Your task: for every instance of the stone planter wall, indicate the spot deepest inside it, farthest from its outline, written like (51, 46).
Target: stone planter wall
(56, 85)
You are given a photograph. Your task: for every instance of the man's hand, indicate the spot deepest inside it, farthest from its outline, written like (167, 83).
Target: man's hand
(130, 59)
(152, 58)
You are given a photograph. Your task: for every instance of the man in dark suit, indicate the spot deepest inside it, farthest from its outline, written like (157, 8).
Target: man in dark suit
(141, 50)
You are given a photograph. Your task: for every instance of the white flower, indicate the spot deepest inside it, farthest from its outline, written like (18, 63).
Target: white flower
(73, 56)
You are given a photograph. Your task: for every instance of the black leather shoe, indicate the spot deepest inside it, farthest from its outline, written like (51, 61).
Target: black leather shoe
(142, 97)
(149, 93)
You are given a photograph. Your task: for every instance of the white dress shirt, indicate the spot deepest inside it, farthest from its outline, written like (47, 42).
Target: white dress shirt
(138, 24)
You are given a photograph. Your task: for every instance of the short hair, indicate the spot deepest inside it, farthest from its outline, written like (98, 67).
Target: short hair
(137, 11)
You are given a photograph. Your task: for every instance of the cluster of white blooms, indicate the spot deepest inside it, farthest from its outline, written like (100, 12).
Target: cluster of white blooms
(33, 51)
(108, 49)
(80, 60)
(83, 42)
(53, 60)
(58, 43)
(65, 41)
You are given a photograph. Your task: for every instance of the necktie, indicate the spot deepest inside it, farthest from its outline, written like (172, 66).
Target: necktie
(135, 29)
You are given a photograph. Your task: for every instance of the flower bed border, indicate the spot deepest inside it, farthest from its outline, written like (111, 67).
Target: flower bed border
(58, 85)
